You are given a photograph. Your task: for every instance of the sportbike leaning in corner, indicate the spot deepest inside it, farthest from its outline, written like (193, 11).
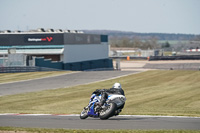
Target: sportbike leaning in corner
(105, 103)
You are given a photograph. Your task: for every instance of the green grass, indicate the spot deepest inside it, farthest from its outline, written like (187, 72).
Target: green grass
(12, 77)
(159, 92)
(42, 130)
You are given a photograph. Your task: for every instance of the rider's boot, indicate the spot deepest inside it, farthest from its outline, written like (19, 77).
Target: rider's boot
(117, 112)
(97, 107)
(86, 108)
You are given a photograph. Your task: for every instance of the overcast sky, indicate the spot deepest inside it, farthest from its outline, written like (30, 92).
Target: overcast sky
(145, 16)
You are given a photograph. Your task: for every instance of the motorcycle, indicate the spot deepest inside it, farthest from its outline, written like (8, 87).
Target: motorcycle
(107, 110)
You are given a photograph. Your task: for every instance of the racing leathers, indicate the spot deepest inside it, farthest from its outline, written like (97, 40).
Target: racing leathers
(104, 95)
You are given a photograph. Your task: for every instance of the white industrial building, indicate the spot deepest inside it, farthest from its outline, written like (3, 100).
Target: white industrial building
(61, 50)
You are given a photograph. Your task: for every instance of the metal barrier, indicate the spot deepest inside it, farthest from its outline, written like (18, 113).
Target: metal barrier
(130, 57)
(184, 57)
(25, 69)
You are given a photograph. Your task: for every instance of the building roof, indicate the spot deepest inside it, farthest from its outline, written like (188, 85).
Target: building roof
(33, 47)
(35, 51)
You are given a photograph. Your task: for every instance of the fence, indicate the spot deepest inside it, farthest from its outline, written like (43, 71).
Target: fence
(12, 60)
(185, 57)
(135, 53)
(25, 69)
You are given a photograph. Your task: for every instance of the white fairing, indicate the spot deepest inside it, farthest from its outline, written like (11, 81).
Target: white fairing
(118, 99)
(96, 99)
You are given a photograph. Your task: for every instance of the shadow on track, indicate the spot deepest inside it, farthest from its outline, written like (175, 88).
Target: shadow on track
(118, 119)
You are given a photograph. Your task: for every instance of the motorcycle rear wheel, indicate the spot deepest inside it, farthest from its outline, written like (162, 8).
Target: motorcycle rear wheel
(105, 114)
(84, 114)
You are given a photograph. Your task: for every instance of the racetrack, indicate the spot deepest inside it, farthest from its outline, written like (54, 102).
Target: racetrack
(119, 122)
(61, 81)
(74, 122)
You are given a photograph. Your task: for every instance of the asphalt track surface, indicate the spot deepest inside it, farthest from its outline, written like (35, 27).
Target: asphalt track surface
(61, 81)
(74, 122)
(119, 122)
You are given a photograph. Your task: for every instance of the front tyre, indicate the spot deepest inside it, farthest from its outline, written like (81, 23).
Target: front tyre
(84, 114)
(108, 111)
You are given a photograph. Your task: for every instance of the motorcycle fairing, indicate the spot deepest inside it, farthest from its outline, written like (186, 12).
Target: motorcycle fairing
(91, 112)
(94, 99)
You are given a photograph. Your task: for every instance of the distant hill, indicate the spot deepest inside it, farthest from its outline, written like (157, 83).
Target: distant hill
(143, 36)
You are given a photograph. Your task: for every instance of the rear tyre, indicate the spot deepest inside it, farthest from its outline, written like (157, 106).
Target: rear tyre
(83, 114)
(108, 111)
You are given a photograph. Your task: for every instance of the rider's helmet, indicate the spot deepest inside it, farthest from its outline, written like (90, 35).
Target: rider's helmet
(117, 86)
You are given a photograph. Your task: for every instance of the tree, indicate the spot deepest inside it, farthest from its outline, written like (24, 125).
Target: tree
(136, 42)
(166, 45)
(125, 42)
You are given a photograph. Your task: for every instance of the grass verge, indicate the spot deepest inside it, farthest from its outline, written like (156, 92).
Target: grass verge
(42, 130)
(12, 77)
(159, 92)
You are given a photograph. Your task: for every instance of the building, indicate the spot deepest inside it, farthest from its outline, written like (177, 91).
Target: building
(67, 50)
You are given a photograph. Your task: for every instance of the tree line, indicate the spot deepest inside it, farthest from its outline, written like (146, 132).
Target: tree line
(149, 40)
(143, 36)
(135, 42)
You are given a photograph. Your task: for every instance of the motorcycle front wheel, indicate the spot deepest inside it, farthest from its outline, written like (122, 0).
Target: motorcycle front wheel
(108, 111)
(84, 114)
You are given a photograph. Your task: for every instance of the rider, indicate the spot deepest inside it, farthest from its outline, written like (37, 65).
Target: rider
(116, 89)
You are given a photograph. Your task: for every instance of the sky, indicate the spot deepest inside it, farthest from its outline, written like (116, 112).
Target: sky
(144, 16)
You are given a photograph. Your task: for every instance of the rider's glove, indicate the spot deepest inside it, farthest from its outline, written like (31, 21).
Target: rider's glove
(97, 92)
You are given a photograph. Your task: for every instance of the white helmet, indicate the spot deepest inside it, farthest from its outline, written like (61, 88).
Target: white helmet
(117, 86)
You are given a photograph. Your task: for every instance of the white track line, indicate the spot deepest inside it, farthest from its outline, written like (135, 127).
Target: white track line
(38, 78)
(147, 116)
(71, 73)
(136, 72)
